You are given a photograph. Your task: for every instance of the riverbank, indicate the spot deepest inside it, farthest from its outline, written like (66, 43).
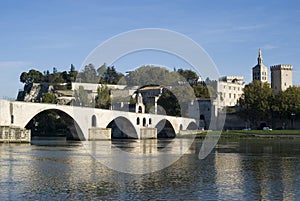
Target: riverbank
(251, 134)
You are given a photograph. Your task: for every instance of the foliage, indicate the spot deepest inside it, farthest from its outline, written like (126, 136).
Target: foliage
(287, 104)
(48, 123)
(34, 76)
(188, 74)
(152, 75)
(103, 99)
(82, 98)
(256, 102)
(48, 98)
(169, 103)
(202, 91)
(103, 75)
(31, 76)
(88, 74)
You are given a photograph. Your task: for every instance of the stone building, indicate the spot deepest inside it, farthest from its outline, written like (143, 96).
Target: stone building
(230, 89)
(281, 77)
(260, 71)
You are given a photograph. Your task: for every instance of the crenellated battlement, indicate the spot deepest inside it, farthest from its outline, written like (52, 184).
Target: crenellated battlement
(281, 67)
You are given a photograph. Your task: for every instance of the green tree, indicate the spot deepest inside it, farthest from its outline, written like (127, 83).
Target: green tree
(287, 104)
(72, 74)
(49, 98)
(169, 103)
(88, 74)
(202, 91)
(256, 102)
(103, 99)
(111, 76)
(188, 74)
(152, 75)
(31, 77)
(82, 98)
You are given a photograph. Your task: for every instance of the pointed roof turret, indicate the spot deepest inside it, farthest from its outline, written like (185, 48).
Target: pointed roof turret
(259, 59)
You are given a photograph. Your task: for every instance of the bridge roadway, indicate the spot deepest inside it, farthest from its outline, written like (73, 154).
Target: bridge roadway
(81, 119)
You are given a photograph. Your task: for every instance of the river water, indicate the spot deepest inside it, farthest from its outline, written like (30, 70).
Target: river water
(245, 169)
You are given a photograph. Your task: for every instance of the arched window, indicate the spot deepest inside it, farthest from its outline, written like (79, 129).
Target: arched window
(150, 121)
(94, 121)
(140, 109)
(181, 127)
(144, 121)
(138, 121)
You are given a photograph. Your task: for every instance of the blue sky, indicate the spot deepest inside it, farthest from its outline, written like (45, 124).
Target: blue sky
(46, 34)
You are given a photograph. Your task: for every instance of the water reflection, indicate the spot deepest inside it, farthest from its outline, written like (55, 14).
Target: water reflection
(138, 156)
(235, 170)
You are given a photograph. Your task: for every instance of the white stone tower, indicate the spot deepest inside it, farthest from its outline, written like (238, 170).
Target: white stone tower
(281, 77)
(260, 71)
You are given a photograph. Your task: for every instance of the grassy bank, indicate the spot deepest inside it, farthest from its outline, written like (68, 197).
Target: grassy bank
(252, 134)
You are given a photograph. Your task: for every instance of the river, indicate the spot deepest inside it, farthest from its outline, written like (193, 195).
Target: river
(242, 169)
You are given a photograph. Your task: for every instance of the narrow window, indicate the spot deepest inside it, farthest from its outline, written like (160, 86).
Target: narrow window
(94, 121)
(140, 109)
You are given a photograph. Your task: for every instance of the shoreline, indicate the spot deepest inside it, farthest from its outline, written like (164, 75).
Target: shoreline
(249, 134)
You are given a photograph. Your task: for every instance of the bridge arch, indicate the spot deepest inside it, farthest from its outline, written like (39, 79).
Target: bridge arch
(165, 129)
(192, 126)
(74, 132)
(121, 127)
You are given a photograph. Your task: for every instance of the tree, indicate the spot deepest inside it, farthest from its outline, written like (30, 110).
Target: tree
(202, 91)
(72, 69)
(32, 76)
(72, 74)
(103, 99)
(54, 70)
(48, 98)
(152, 75)
(89, 74)
(256, 102)
(81, 97)
(287, 104)
(169, 103)
(111, 76)
(188, 74)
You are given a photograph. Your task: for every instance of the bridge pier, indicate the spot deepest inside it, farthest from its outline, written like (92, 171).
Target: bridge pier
(96, 133)
(148, 133)
(14, 134)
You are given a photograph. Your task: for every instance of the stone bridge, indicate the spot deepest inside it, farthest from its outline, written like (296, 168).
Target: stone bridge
(82, 120)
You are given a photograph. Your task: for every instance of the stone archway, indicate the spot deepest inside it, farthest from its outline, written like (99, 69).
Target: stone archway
(165, 129)
(121, 127)
(54, 122)
(192, 126)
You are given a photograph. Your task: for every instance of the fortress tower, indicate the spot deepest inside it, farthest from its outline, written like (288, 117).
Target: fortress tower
(260, 71)
(281, 77)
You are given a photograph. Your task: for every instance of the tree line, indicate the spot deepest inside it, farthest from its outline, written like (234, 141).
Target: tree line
(261, 107)
(89, 74)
